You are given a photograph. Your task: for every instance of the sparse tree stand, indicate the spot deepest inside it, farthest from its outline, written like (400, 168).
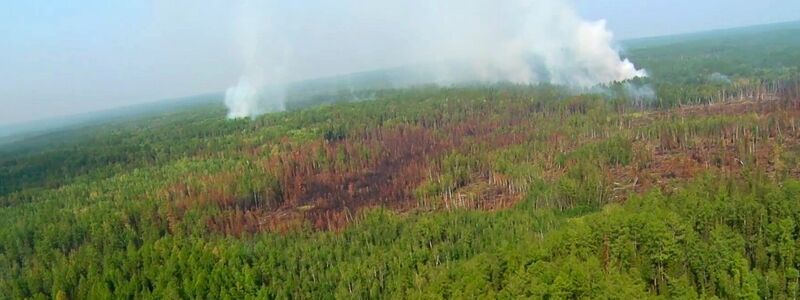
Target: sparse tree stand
(498, 191)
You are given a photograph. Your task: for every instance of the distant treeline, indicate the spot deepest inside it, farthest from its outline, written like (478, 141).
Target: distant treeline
(498, 191)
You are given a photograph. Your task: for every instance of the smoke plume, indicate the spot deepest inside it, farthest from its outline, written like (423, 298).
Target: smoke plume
(717, 77)
(453, 41)
(265, 54)
(639, 92)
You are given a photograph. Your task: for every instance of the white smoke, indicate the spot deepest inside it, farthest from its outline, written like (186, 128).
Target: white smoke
(249, 100)
(519, 41)
(265, 55)
(717, 77)
(639, 92)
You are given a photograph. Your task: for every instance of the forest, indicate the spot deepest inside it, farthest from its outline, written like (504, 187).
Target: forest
(685, 184)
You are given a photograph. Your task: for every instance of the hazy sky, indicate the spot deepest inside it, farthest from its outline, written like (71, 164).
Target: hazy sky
(61, 57)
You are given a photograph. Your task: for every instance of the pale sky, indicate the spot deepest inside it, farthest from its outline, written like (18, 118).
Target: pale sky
(60, 57)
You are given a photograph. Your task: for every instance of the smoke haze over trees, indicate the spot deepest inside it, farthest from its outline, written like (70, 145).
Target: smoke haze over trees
(69, 57)
(519, 41)
(682, 184)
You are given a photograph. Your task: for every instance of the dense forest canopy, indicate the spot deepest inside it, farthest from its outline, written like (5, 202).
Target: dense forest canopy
(683, 184)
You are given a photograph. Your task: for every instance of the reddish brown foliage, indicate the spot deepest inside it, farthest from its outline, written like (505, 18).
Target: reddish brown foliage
(326, 182)
(731, 149)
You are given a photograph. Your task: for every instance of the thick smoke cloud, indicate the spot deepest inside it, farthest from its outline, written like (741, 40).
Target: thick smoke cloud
(454, 41)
